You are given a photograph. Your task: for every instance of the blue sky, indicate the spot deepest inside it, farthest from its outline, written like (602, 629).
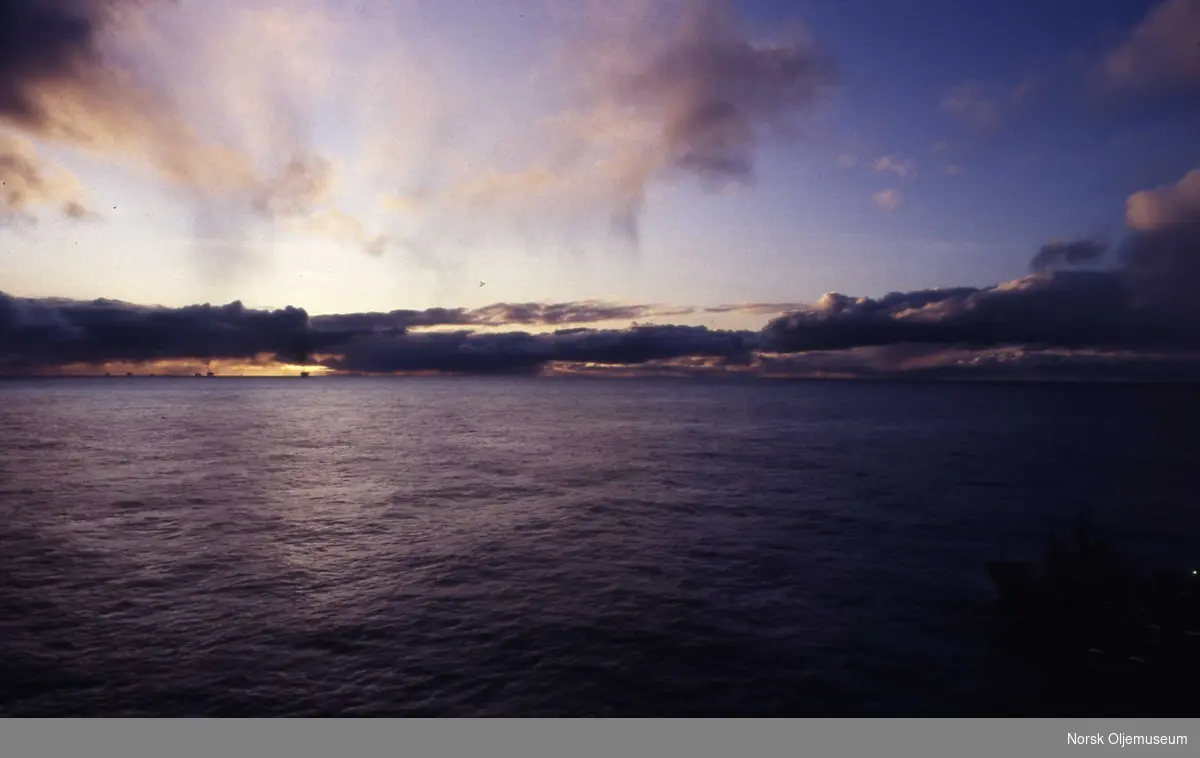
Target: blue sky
(957, 139)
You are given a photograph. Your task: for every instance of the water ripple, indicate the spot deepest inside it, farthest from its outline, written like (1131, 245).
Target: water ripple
(528, 547)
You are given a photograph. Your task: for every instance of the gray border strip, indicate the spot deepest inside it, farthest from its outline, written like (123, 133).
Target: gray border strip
(533, 738)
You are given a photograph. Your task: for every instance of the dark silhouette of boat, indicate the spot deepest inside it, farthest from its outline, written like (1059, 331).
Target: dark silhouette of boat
(303, 374)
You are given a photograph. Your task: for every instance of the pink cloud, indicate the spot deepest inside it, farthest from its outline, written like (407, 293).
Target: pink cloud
(1163, 50)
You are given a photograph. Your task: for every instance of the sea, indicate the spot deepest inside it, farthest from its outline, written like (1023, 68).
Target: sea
(558, 546)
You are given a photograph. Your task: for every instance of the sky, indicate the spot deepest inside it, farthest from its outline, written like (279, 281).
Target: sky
(772, 187)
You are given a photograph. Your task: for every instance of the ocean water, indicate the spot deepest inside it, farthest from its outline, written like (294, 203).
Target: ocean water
(522, 546)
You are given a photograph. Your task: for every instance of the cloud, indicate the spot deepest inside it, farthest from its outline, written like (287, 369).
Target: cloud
(861, 338)
(755, 308)
(888, 200)
(680, 92)
(56, 85)
(224, 101)
(41, 333)
(686, 366)
(45, 45)
(258, 78)
(984, 106)
(342, 227)
(845, 160)
(497, 314)
(971, 102)
(213, 100)
(1173, 205)
(1162, 52)
(523, 352)
(1073, 253)
(401, 320)
(1148, 302)
(44, 334)
(1162, 254)
(303, 184)
(1061, 309)
(1136, 321)
(715, 93)
(580, 312)
(902, 167)
(26, 185)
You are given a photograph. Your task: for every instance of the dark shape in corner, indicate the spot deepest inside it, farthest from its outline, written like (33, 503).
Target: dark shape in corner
(1086, 610)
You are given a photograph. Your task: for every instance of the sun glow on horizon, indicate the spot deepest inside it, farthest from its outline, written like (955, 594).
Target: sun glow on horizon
(263, 365)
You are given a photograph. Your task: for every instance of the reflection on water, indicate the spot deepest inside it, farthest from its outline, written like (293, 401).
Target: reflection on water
(548, 546)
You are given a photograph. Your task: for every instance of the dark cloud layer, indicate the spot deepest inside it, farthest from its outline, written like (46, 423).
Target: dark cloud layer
(1066, 325)
(43, 41)
(45, 333)
(508, 352)
(1062, 309)
(1163, 268)
(1148, 302)
(38, 334)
